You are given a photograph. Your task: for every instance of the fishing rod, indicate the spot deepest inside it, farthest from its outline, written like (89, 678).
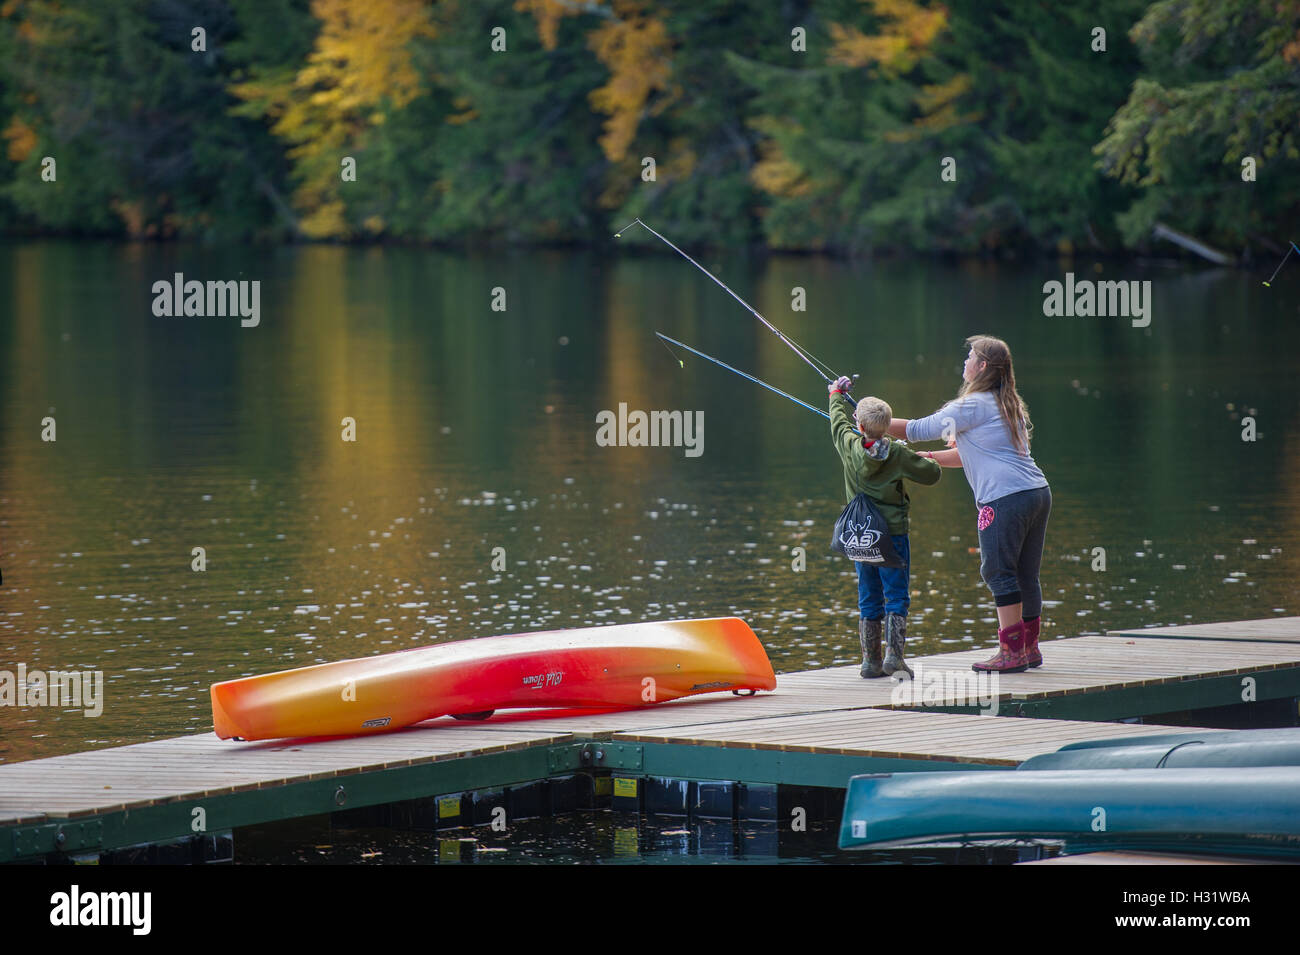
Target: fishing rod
(664, 338)
(824, 371)
(1293, 248)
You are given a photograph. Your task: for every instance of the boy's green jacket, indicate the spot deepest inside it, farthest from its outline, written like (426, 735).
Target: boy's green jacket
(880, 477)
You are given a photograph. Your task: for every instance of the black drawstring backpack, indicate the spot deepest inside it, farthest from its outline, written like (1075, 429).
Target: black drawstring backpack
(862, 534)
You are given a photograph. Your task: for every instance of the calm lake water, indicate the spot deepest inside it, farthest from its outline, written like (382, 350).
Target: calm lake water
(475, 429)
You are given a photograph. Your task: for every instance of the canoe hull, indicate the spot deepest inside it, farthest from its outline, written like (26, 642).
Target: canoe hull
(1216, 748)
(1253, 807)
(627, 665)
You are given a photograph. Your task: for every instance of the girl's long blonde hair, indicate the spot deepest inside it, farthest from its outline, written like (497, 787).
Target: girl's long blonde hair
(1000, 378)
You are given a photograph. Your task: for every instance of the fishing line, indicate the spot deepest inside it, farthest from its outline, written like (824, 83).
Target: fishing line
(665, 339)
(1280, 264)
(825, 372)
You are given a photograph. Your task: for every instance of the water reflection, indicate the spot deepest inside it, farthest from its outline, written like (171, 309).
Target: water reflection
(475, 500)
(599, 837)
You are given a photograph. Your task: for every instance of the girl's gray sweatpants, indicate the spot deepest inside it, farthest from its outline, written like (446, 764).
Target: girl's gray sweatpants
(1012, 531)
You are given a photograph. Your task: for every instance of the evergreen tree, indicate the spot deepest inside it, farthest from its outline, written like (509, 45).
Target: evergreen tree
(136, 118)
(1221, 84)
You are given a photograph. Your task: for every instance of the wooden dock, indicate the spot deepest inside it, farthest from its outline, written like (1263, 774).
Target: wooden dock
(1270, 629)
(818, 728)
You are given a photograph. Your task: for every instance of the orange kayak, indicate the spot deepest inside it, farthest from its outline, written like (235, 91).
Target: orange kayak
(627, 665)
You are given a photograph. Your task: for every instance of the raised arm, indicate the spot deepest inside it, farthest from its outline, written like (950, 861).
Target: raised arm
(897, 428)
(843, 433)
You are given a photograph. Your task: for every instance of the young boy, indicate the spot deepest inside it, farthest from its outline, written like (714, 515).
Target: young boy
(876, 465)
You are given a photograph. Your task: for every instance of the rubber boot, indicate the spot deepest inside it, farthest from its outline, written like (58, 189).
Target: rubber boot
(869, 636)
(896, 638)
(1011, 652)
(1032, 657)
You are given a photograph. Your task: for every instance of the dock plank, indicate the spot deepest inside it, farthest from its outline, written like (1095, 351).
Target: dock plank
(907, 735)
(1268, 629)
(143, 774)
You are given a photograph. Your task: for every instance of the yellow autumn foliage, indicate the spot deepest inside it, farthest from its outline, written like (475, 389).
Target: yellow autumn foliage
(938, 107)
(22, 139)
(631, 44)
(361, 63)
(638, 54)
(1291, 52)
(907, 31)
(132, 214)
(467, 115)
(548, 14)
(933, 98)
(777, 174)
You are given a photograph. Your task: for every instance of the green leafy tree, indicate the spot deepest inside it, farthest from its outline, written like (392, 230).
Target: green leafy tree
(1221, 83)
(1013, 93)
(135, 118)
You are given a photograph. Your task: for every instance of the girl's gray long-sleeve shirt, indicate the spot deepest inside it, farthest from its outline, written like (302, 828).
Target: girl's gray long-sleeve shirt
(993, 465)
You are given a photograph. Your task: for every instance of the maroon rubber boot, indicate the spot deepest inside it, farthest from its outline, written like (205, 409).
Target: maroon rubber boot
(1032, 657)
(1011, 652)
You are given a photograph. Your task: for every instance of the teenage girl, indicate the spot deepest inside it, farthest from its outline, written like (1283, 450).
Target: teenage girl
(990, 424)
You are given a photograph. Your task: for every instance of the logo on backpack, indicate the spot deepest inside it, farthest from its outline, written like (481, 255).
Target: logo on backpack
(859, 541)
(857, 538)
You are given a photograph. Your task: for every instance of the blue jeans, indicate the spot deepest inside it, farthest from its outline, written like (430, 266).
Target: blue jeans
(886, 589)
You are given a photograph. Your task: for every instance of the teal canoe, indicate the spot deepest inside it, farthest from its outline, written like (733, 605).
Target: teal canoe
(1208, 748)
(1202, 735)
(1253, 810)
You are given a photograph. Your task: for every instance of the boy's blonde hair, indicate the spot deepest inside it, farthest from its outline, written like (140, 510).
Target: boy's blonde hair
(873, 416)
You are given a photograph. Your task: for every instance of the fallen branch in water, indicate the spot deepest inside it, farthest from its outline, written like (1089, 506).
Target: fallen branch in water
(1162, 231)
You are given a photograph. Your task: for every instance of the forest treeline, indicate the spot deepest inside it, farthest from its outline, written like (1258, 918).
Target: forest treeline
(841, 125)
